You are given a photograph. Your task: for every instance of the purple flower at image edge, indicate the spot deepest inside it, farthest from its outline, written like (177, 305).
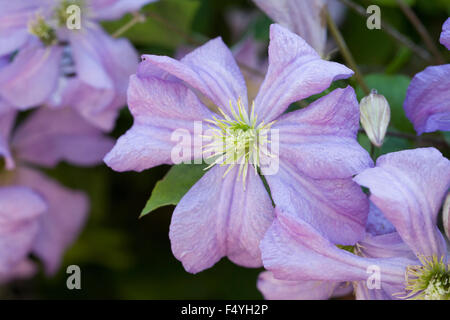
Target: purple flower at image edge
(407, 250)
(227, 212)
(51, 64)
(427, 103)
(37, 214)
(305, 18)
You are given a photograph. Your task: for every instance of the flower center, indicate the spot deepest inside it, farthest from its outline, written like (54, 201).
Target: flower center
(430, 281)
(41, 29)
(238, 140)
(45, 29)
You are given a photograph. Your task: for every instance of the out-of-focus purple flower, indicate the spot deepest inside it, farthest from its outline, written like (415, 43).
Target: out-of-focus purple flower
(408, 187)
(445, 35)
(247, 53)
(427, 103)
(52, 64)
(304, 17)
(50, 215)
(228, 210)
(20, 211)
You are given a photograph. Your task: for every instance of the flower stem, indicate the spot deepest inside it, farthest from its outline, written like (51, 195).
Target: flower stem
(437, 141)
(345, 51)
(412, 17)
(137, 18)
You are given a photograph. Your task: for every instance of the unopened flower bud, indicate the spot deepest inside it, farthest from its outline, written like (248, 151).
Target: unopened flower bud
(446, 216)
(375, 117)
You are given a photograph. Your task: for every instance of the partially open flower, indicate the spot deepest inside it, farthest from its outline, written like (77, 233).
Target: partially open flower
(375, 117)
(446, 216)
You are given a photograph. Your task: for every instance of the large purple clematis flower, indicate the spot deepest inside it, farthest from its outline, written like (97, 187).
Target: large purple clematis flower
(427, 103)
(50, 63)
(407, 250)
(37, 214)
(304, 17)
(228, 210)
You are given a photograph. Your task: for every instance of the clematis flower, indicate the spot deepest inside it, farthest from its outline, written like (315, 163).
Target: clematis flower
(20, 211)
(408, 251)
(37, 214)
(427, 103)
(445, 35)
(227, 212)
(304, 17)
(49, 63)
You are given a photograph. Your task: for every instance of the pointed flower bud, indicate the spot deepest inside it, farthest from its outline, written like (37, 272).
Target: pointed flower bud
(375, 117)
(446, 216)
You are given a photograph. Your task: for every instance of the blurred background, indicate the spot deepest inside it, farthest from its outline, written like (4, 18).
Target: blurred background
(124, 257)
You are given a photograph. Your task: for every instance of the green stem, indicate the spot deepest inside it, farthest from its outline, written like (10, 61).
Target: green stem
(421, 30)
(345, 51)
(409, 136)
(137, 18)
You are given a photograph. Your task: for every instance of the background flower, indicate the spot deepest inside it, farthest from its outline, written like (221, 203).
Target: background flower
(400, 188)
(55, 214)
(427, 104)
(49, 63)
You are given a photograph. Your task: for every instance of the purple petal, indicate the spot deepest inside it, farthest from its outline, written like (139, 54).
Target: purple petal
(11, 42)
(295, 72)
(49, 136)
(14, 19)
(320, 140)
(88, 53)
(303, 17)
(337, 208)
(32, 76)
(211, 69)
(20, 209)
(7, 119)
(445, 35)
(248, 53)
(274, 289)
(389, 245)
(218, 218)
(408, 187)
(97, 106)
(159, 108)
(103, 67)
(294, 251)
(362, 292)
(114, 9)
(427, 103)
(377, 224)
(61, 223)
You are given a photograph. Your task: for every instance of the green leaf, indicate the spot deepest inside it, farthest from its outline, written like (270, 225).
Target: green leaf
(173, 186)
(173, 16)
(394, 88)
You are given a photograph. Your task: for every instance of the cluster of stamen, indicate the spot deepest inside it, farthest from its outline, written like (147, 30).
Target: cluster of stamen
(237, 140)
(429, 281)
(41, 29)
(45, 29)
